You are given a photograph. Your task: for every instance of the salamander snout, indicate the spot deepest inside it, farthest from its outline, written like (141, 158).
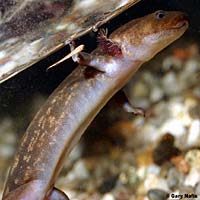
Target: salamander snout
(182, 20)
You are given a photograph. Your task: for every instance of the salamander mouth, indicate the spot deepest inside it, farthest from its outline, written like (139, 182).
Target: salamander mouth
(183, 21)
(181, 24)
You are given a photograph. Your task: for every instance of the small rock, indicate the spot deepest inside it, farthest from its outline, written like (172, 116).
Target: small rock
(194, 110)
(193, 157)
(194, 134)
(186, 189)
(141, 172)
(153, 181)
(186, 53)
(197, 189)
(140, 89)
(156, 94)
(144, 158)
(6, 151)
(108, 184)
(196, 91)
(171, 61)
(79, 171)
(165, 149)
(191, 67)
(129, 176)
(157, 194)
(147, 134)
(174, 177)
(108, 196)
(193, 177)
(174, 126)
(153, 169)
(149, 78)
(170, 84)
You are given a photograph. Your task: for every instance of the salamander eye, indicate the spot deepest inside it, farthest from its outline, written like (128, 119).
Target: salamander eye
(160, 14)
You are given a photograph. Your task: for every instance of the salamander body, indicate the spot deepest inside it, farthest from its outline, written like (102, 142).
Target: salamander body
(59, 124)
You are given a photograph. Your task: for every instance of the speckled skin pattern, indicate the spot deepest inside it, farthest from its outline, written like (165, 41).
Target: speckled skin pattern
(59, 124)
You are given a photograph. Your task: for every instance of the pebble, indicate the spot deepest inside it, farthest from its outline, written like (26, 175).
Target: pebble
(170, 62)
(7, 134)
(194, 134)
(170, 84)
(108, 196)
(186, 189)
(157, 194)
(78, 172)
(174, 177)
(154, 181)
(153, 169)
(193, 177)
(147, 134)
(196, 91)
(6, 151)
(140, 89)
(129, 176)
(156, 94)
(7, 138)
(144, 157)
(173, 126)
(108, 184)
(194, 110)
(141, 172)
(197, 189)
(165, 150)
(191, 67)
(193, 157)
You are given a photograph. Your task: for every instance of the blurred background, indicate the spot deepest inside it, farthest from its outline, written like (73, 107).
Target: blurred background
(167, 87)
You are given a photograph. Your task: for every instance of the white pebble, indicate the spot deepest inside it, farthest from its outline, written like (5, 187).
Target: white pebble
(156, 94)
(140, 89)
(193, 177)
(152, 181)
(6, 151)
(194, 133)
(79, 171)
(191, 66)
(108, 196)
(153, 169)
(170, 84)
(170, 61)
(173, 126)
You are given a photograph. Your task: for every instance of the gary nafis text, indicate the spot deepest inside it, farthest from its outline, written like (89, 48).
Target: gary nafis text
(181, 196)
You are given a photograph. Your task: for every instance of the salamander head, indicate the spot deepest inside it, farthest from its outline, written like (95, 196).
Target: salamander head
(142, 38)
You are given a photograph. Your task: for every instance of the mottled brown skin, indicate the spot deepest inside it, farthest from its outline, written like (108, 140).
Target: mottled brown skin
(59, 124)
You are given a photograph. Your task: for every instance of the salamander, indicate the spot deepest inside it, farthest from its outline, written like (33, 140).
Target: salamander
(62, 120)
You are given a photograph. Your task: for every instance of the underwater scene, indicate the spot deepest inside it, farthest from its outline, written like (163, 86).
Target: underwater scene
(146, 148)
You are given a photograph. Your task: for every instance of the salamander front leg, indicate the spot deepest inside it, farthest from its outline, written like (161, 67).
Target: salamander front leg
(99, 62)
(105, 61)
(56, 194)
(123, 101)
